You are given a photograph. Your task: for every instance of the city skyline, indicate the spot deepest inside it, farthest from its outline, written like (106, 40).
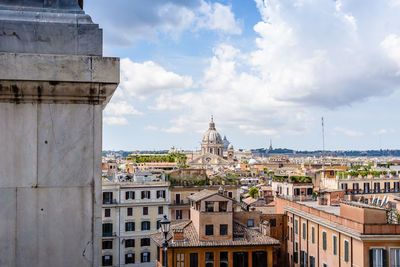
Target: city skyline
(264, 69)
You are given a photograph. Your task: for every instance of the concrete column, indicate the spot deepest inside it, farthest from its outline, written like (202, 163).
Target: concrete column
(54, 84)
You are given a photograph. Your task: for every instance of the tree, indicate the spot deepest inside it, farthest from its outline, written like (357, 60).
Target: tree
(253, 192)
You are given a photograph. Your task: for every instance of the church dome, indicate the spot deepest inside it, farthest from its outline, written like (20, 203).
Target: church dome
(253, 162)
(230, 146)
(212, 136)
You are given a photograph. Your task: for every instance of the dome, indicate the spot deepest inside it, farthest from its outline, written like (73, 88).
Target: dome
(212, 136)
(252, 162)
(230, 146)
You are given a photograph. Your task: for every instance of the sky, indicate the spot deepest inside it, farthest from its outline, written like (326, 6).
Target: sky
(265, 69)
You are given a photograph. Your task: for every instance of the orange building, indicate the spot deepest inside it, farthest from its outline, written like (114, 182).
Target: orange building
(345, 234)
(214, 238)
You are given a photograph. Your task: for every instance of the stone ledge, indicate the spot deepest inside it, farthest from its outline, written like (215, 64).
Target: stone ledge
(19, 92)
(59, 68)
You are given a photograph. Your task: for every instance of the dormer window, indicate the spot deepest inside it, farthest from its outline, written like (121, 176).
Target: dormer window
(223, 206)
(209, 206)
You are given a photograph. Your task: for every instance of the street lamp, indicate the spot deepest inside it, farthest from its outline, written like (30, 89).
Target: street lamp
(165, 225)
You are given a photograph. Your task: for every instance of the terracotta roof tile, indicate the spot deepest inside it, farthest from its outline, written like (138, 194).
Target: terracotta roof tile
(243, 236)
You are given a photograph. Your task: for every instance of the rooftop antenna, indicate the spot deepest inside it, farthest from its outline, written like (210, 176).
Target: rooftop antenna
(323, 143)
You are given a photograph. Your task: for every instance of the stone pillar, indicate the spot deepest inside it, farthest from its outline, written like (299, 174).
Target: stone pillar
(54, 84)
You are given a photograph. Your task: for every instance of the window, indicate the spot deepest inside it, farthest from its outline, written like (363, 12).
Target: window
(129, 226)
(178, 214)
(107, 260)
(304, 231)
(394, 257)
(130, 243)
(378, 257)
(303, 259)
(107, 213)
(260, 259)
(129, 212)
(240, 259)
(107, 197)
(158, 224)
(324, 265)
(129, 258)
(377, 187)
(129, 195)
(161, 194)
(223, 229)
(223, 206)
(180, 260)
(209, 206)
(209, 229)
(145, 194)
(178, 199)
(334, 245)
(209, 259)
(312, 261)
(272, 222)
(160, 210)
(296, 252)
(313, 234)
(145, 256)
(145, 226)
(145, 242)
(107, 244)
(107, 229)
(250, 223)
(324, 240)
(387, 186)
(194, 260)
(296, 227)
(230, 194)
(346, 251)
(223, 259)
(366, 187)
(145, 210)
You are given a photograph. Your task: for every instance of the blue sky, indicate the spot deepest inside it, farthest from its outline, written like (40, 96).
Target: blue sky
(266, 69)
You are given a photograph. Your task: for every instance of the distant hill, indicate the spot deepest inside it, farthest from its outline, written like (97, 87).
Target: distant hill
(337, 153)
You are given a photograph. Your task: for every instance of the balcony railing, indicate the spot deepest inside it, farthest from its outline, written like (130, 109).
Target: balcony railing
(179, 203)
(109, 201)
(109, 234)
(371, 191)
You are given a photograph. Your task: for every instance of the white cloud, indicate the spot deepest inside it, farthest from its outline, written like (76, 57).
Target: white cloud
(348, 132)
(383, 131)
(149, 78)
(115, 120)
(126, 21)
(215, 16)
(391, 45)
(121, 108)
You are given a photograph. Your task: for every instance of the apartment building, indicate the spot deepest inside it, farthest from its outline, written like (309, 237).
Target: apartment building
(179, 206)
(213, 237)
(131, 213)
(344, 234)
(295, 187)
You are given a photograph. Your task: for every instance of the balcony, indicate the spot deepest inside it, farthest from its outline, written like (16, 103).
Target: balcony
(110, 202)
(370, 191)
(109, 234)
(179, 203)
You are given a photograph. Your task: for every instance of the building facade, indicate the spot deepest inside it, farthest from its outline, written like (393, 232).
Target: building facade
(214, 238)
(349, 234)
(131, 213)
(179, 195)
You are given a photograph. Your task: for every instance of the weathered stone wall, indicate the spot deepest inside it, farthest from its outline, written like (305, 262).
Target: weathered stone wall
(51, 101)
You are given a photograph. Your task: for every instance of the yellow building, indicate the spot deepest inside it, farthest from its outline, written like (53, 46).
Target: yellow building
(213, 238)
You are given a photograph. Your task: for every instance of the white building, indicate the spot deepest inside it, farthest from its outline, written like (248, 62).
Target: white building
(131, 213)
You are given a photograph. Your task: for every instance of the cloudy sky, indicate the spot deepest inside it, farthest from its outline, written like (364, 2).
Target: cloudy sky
(265, 69)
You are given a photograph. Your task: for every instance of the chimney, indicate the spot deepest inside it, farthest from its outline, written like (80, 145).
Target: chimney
(177, 234)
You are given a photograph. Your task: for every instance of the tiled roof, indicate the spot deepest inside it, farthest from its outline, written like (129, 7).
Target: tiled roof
(249, 200)
(243, 236)
(202, 194)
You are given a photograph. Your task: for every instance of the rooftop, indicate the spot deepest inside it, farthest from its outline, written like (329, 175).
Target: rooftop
(243, 236)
